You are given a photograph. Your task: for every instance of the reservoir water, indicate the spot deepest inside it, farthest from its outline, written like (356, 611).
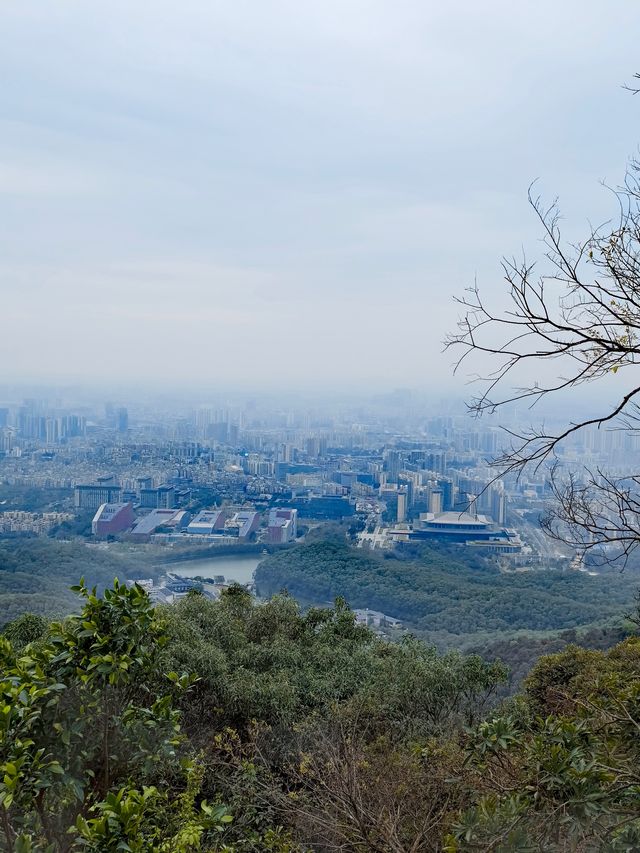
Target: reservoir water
(234, 567)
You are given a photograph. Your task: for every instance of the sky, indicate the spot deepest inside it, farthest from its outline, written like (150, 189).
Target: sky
(282, 194)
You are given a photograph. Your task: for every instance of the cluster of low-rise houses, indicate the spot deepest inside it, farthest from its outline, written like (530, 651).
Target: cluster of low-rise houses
(40, 523)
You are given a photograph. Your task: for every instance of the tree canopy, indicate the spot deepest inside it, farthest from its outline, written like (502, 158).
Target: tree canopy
(445, 594)
(234, 725)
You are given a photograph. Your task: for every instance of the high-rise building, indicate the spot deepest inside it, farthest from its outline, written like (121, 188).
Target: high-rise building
(110, 415)
(218, 431)
(401, 515)
(90, 496)
(392, 465)
(55, 430)
(164, 497)
(6, 440)
(389, 496)
(122, 420)
(285, 453)
(498, 499)
(409, 480)
(312, 447)
(31, 424)
(436, 501)
(203, 418)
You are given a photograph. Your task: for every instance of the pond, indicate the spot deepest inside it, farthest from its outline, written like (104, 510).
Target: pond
(234, 567)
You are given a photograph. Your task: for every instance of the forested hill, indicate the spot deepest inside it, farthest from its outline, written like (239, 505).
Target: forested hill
(36, 575)
(436, 593)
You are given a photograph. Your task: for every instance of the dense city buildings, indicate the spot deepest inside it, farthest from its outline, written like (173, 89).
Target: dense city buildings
(38, 523)
(254, 471)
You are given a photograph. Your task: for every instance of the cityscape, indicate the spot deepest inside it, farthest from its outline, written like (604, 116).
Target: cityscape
(319, 428)
(252, 472)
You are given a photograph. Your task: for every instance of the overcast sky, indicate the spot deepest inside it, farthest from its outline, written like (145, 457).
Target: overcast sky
(282, 192)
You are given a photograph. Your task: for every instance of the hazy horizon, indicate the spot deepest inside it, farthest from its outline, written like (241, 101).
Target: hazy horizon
(273, 196)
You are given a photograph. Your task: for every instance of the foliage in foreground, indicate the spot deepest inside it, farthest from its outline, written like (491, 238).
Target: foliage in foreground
(559, 770)
(277, 704)
(297, 731)
(87, 748)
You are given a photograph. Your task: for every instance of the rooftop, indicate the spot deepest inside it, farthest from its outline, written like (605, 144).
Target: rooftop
(106, 512)
(156, 518)
(454, 519)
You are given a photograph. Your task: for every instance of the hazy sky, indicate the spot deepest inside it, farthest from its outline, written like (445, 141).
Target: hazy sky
(284, 192)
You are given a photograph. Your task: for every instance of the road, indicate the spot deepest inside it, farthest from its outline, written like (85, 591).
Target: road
(547, 547)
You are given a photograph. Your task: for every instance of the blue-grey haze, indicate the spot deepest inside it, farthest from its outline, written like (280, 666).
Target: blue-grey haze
(278, 192)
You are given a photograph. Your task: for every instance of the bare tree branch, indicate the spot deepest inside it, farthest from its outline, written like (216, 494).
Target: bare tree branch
(583, 312)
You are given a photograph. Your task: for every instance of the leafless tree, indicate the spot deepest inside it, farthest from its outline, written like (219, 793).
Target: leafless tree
(578, 307)
(370, 798)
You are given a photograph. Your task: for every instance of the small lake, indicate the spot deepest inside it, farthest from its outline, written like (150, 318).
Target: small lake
(234, 567)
